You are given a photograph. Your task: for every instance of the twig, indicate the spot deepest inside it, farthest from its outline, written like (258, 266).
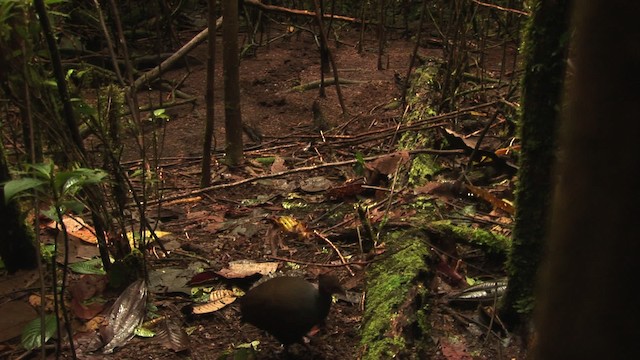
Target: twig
(515, 11)
(344, 261)
(156, 71)
(292, 171)
(280, 9)
(308, 263)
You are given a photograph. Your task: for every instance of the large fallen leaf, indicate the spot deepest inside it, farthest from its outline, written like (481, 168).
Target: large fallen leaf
(218, 300)
(126, 315)
(77, 228)
(315, 184)
(170, 280)
(243, 268)
(14, 315)
(388, 164)
(172, 336)
(86, 301)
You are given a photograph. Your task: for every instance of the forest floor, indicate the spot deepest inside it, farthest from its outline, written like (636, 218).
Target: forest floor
(208, 230)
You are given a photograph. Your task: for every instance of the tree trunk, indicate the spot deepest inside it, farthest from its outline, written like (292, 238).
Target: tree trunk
(209, 140)
(588, 307)
(545, 48)
(16, 242)
(231, 73)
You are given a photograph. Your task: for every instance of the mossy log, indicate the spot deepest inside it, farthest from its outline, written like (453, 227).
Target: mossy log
(393, 321)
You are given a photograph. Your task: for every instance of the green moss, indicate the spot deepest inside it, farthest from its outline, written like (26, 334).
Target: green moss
(423, 168)
(389, 282)
(490, 242)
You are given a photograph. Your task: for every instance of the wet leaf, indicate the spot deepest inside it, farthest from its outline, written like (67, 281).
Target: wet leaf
(126, 315)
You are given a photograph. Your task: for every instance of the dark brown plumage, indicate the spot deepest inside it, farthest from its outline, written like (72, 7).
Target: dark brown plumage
(288, 307)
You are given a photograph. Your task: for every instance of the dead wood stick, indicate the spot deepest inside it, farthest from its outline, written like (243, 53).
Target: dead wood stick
(280, 9)
(359, 263)
(156, 71)
(316, 84)
(292, 171)
(335, 248)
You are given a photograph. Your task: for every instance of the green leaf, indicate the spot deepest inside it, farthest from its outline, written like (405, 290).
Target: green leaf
(51, 213)
(266, 161)
(19, 187)
(42, 171)
(31, 333)
(144, 332)
(63, 181)
(93, 266)
(48, 252)
(160, 114)
(72, 205)
(70, 182)
(359, 165)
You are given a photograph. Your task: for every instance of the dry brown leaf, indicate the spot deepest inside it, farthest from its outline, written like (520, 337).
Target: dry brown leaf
(172, 336)
(244, 268)
(278, 165)
(491, 199)
(77, 228)
(220, 294)
(86, 310)
(224, 298)
(35, 301)
(388, 165)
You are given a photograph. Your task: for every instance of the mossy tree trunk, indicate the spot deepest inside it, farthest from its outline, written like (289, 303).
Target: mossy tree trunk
(545, 48)
(587, 304)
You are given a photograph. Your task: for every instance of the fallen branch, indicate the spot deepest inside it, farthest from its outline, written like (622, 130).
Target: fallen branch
(284, 10)
(316, 84)
(292, 171)
(156, 71)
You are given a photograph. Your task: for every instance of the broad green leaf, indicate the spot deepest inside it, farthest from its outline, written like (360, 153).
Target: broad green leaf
(31, 333)
(63, 180)
(42, 171)
(93, 266)
(69, 182)
(72, 205)
(19, 187)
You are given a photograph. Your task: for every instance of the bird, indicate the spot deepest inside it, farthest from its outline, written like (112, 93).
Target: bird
(289, 307)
